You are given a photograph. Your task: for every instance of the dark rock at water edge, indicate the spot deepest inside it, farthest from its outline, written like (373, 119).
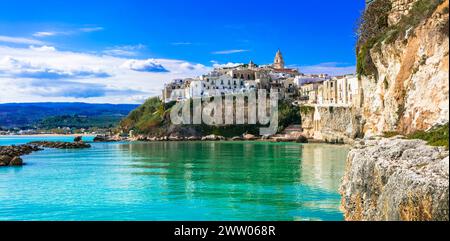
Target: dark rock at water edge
(16, 161)
(10, 155)
(106, 138)
(302, 139)
(19, 150)
(60, 145)
(5, 160)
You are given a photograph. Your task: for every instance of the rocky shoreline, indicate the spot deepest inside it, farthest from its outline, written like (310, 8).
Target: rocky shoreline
(60, 145)
(396, 180)
(11, 155)
(245, 137)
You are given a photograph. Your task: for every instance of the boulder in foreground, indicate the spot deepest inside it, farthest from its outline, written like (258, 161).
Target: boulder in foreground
(396, 180)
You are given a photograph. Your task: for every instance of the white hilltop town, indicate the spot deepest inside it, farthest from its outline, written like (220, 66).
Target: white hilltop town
(291, 84)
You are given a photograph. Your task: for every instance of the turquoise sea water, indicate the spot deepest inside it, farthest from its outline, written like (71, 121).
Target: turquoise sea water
(175, 181)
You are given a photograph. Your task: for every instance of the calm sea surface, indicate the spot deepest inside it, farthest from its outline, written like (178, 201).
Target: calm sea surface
(174, 181)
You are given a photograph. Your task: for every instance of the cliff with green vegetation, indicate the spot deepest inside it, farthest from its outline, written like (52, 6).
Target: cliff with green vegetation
(402, 62)
(403, 66)
(152, 119)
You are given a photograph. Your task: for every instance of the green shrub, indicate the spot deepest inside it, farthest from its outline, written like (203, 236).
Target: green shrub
(438, 136)
(307, 109)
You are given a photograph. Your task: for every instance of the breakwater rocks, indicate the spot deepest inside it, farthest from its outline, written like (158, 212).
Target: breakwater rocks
(61, 145)
(10, 155)
(396, 179)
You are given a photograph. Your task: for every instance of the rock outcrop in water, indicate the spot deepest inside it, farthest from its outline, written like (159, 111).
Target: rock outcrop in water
(108, 138)
(61, 145)
(10, 155)
(396, 179)
(213, 138)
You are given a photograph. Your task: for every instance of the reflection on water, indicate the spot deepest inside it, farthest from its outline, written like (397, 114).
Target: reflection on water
(283, 176)
(177, 181)
(324, 165)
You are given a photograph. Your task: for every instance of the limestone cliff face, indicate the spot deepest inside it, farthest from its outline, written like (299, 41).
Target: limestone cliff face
(395, 179)
(412, 91)
(337, 124)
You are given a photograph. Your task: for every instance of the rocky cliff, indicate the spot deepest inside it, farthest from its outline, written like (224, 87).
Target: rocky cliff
(409, 90)
(395, 179)
(403, 63)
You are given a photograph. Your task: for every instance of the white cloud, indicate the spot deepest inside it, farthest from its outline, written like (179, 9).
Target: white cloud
(119, 52)
(232, 51)
(148, 65)
(330, 68)
(91, 29)
(181, 43)
(227, 65)
(19, 68)
(44, 48)
(124, 50)
(44, 34)
(190, 66)
(19, 40)
(39, 74)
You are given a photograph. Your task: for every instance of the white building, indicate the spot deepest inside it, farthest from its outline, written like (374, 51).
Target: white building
(341, 90)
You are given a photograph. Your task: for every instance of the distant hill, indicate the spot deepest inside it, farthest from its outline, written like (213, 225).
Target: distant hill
(22, 115)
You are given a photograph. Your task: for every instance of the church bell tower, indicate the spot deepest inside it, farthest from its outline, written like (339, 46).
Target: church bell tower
(278, 63)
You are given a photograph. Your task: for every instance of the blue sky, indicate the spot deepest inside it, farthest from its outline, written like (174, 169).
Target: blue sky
(158, 40)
